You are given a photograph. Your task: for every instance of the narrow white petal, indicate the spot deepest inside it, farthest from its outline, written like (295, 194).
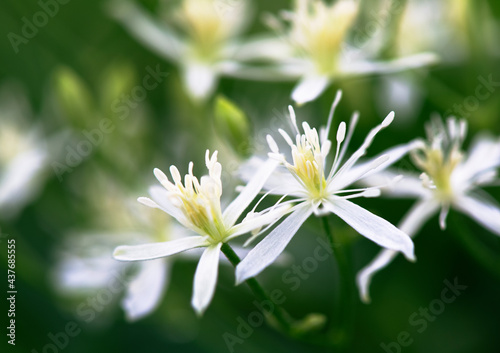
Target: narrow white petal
(199, 80)
(411, 224)
(371, 226)
(155, 250)
(257, 221)
(160, 197)
(483, 211)
(272, 245)
(205, 278)
(364, 277)
(146, 289)
(309, 88)
(394, 154)
(254, 186)
(409, 186)
(280, 182)
(380, 67)
(20, 181)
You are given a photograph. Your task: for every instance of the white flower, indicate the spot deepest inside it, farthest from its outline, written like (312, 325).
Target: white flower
(196, 205)
(318, 52)
(23, 155)
(450, 179)
(205, 43)
(321, 192)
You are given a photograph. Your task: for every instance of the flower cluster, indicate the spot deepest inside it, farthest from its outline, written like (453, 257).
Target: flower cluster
(309, 43)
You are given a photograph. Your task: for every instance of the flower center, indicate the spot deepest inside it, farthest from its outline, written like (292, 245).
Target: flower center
(208, 26)
(319, 30)
(440, 157)
(199, 201)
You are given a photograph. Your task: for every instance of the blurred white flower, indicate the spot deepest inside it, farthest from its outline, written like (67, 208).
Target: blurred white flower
(196, 205)
(450, 179)
(315, 190)
(205, 43)
(23, 154)
(318, 51)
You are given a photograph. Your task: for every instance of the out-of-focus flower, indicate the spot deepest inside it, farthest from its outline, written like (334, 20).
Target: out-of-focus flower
(196, 205)
(450, 179)
(317, 190)
(202, 38)
(319, 53)
(23, 154)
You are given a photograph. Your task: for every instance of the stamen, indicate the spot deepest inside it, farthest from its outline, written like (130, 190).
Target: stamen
(286, 137)
(176, 176)
(162, 178)
(293, 118)
(335, 103)
(272, 144)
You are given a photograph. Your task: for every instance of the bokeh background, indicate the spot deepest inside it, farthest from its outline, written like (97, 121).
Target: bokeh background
(65, 80)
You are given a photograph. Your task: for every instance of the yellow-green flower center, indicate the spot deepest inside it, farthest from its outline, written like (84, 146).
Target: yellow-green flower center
(319, 31)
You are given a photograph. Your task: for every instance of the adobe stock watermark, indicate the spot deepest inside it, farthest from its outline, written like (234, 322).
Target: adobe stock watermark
(293, 276)
(77, 152)
(87, 311)
(419, 320)
(483, 91)
(30, 27)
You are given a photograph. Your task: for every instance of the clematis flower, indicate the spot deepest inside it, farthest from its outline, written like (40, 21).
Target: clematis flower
(450, 179)
(318, 52)
(315, 189)
(196, 205)
(23, 155)
(202, 38)
(85, 264)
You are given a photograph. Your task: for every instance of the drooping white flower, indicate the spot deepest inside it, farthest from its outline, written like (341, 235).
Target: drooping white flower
(450, 179)
(317, 189)
(319, 53)
(196, 205)
(23, 154)
(202, 37)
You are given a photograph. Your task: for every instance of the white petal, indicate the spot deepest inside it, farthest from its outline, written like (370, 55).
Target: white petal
(411, 224)
(264, 47)
(146, 289)
(146, 30)
(394, 154)
(483, 211)
(280, 182)
(155, 250)
(160, 197)
(309, 88)
(257, 221)
(371, 226)
(409, 186)
(272, 245)
(205, 278)
(20, 181)
(247, 195)
(400, 64)
(484, 156)
(199, 80)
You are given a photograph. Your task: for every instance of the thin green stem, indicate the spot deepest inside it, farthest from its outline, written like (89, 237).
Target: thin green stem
(275, 312)
(341, 333)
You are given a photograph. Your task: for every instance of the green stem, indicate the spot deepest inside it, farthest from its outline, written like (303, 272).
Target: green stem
(277, 313)
(341, 334)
